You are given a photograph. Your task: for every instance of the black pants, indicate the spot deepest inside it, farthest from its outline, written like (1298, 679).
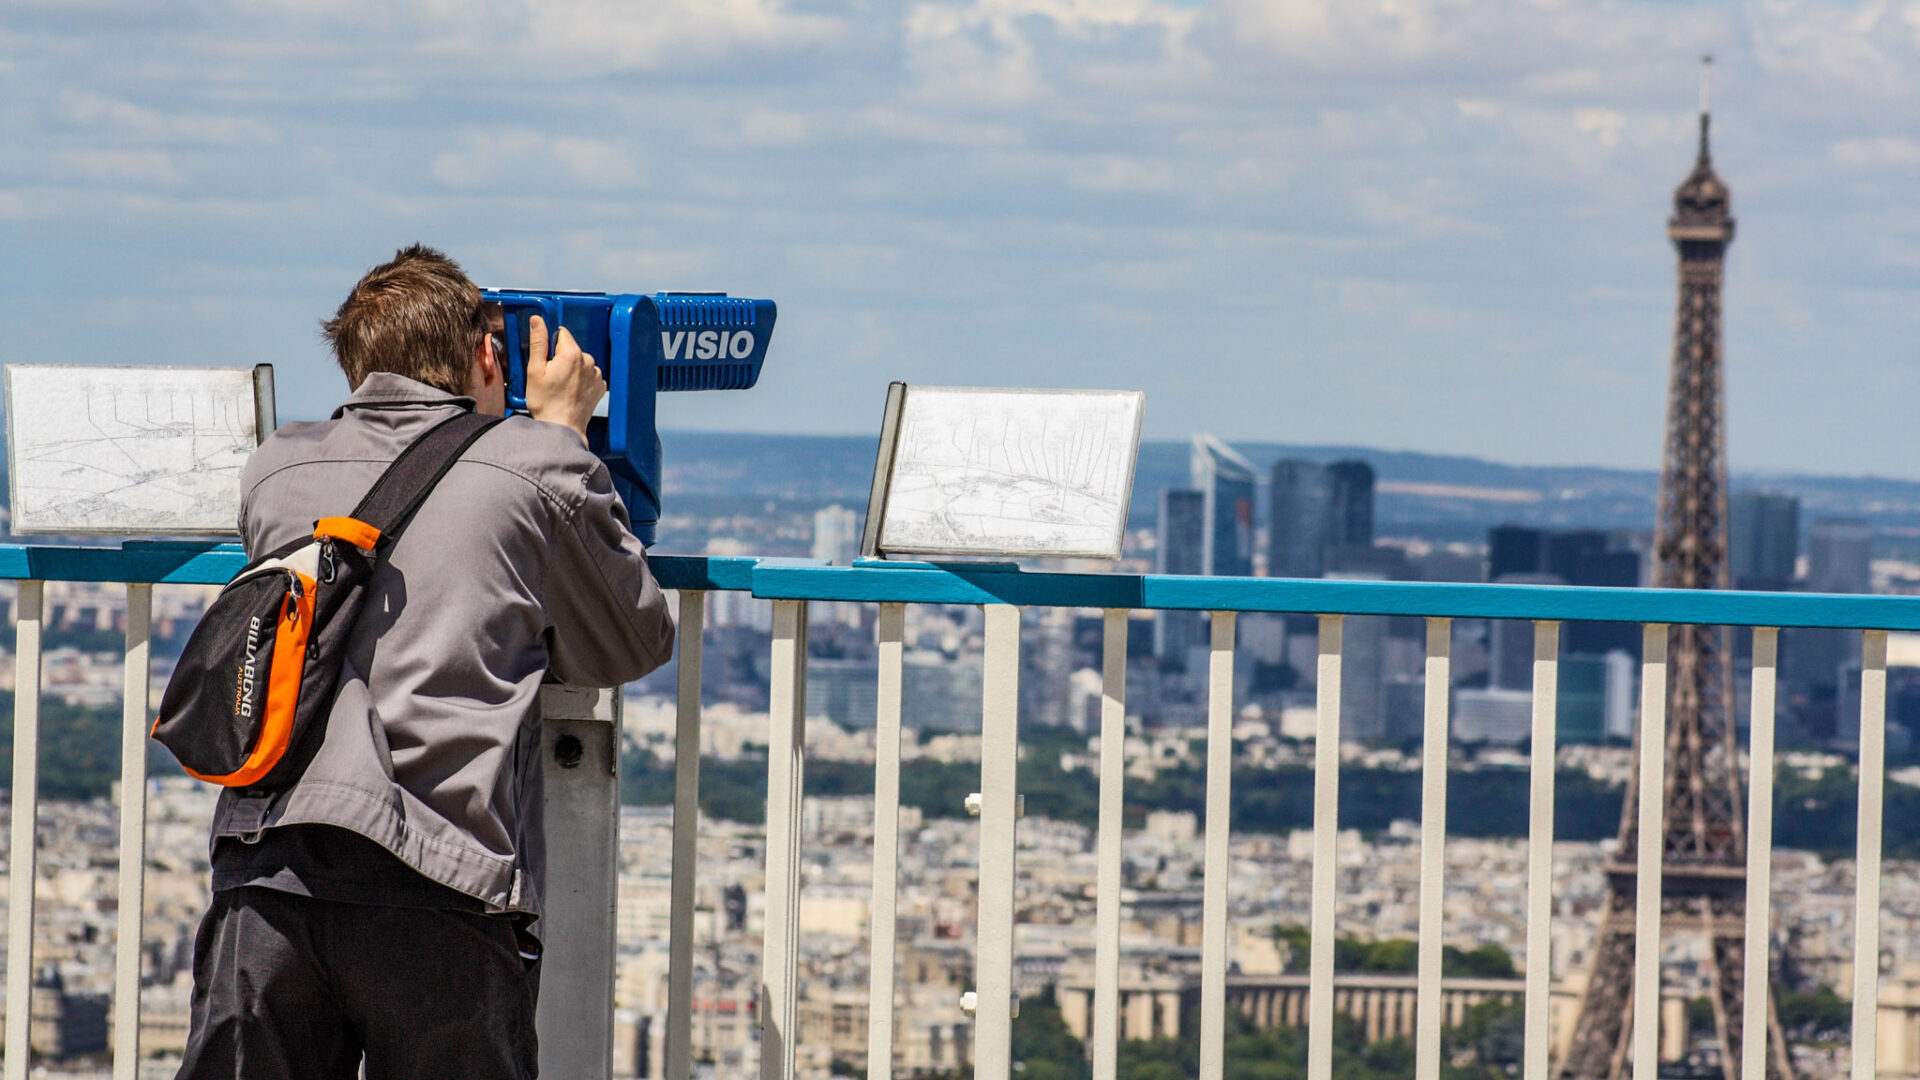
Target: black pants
(288, 987)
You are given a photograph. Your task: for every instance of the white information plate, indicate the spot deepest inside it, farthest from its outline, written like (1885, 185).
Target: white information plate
(1011, 472)
(131, 451)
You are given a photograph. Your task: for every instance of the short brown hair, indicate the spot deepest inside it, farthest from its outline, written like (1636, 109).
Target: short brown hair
(417, 316)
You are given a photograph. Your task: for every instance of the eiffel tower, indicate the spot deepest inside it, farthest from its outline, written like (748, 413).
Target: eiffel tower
(1704, 874)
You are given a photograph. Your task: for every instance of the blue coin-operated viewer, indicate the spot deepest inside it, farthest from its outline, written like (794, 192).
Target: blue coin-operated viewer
(643, 345)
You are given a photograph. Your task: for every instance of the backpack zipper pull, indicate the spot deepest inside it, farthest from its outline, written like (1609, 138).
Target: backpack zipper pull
(326, 560)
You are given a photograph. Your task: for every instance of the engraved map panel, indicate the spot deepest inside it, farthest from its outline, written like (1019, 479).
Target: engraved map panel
(1012, 472)
(127, 450)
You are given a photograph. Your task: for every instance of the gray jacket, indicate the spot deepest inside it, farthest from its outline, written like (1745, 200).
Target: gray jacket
(519, 564)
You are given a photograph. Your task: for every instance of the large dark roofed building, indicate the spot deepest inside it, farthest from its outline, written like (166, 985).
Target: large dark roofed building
(1586, 557)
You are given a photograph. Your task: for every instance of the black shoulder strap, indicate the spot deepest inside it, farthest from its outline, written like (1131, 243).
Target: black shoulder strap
(391, 502)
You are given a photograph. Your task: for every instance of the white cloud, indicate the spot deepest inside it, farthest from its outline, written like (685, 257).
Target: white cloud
(1351, 33)
(971, 57)
(773, 127)
(131, 166)
(686, 266)
(1426, 193)
(1605, 126)
(1020, 53)
(1123, 174)
(115, 117)
(1830, 49)
(1882, 151)
(918, 126)
(673, 35)
(1426, 209)
(516, 159)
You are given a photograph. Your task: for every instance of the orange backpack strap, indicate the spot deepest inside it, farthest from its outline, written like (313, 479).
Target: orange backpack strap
(352, 530)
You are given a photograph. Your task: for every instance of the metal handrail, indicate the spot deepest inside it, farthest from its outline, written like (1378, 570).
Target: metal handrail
(1001, 589)
(213, 563)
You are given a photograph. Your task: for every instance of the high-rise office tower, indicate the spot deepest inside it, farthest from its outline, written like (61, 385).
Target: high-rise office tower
(836, 540)
(836, 535)
(1839, 556)
(1181, 550)
(1763, 539)
(1350, 513)
(1226, 482)
(1596, 698)
(1702, 846)
(1315, 512)
(1297, 525)
(1182, 533)
(1363, 647)
(1046, 666)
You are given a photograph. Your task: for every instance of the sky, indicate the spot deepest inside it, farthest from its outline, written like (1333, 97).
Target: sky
(1434, 225)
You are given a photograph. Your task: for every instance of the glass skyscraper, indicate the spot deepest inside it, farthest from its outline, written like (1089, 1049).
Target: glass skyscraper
(1316, 511)
(1226, 484)
(1297, 524)
(1180, 551)
(1763, 539)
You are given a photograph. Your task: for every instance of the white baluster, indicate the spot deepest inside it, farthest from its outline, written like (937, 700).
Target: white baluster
(1757, 986)
(1213, 887)
(1326, 832)
(24, 809)
(886, 842)
(133, 832)
(1866, 913)
(1433, 848)
(1106, 918)
(1546, 695)
(786, 773)
(1652, 846)
(686, 835)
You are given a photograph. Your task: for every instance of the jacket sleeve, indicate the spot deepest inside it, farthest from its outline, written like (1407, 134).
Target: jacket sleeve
(608, 616)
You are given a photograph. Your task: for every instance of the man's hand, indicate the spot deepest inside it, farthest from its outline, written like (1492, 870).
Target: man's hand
(562, 390)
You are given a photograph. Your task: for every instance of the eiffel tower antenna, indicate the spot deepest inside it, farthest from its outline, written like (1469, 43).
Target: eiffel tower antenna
(1706, 83)
(1703, 840)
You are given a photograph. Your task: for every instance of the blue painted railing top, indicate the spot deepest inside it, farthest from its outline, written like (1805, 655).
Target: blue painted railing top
(168, 562)
(185, 562)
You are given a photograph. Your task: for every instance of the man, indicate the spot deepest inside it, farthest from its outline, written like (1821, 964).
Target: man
(383, 907)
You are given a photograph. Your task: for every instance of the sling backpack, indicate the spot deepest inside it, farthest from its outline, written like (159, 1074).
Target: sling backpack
(250, 696)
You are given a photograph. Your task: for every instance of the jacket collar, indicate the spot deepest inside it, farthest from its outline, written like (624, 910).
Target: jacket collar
(386, 390)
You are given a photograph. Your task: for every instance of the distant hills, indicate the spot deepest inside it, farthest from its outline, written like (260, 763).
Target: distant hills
(1438, 496)
(1434, 495)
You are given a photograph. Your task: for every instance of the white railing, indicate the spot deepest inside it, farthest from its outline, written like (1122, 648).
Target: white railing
(1000, 594)
(578, 994)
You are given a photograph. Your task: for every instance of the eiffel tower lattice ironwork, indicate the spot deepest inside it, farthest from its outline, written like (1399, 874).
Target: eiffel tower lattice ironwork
(1703, 887)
